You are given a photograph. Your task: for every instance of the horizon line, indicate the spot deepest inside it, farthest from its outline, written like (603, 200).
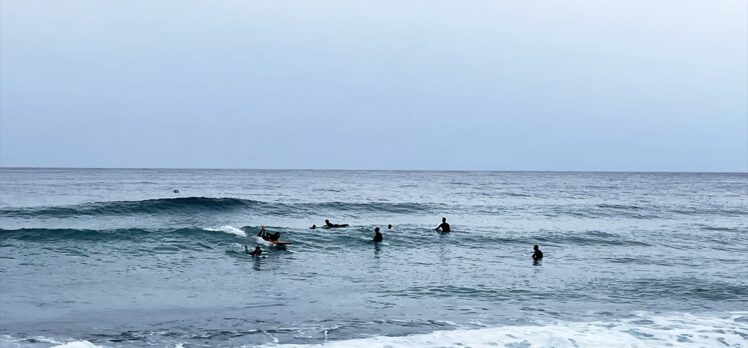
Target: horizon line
(381, 170)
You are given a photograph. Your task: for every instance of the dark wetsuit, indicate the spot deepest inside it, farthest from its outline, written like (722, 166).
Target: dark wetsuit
(269, 236)
(378, 237)
(253, 253)
(444, 227)
(537, 255)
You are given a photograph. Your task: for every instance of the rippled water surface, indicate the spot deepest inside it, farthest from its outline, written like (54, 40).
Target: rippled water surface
(116, 258)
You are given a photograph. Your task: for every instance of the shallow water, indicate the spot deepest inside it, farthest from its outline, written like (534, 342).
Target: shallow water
(115, 258)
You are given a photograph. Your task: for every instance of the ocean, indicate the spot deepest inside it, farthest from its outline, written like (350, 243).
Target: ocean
(116, 258)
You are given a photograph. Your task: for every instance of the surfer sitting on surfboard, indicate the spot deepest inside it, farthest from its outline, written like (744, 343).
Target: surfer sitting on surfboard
(329, 224)
(444, 226)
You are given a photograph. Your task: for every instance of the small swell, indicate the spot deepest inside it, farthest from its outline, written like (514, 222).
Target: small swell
(193, 205)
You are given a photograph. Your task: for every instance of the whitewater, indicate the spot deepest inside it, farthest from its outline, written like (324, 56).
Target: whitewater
(116, 258)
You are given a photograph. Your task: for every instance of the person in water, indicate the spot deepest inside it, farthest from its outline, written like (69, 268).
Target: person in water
(377, 235)
(272, 237)
(537, 255)
(389, 227)
(314, 227)
(329, 224)
(444, 226)
(257, 252)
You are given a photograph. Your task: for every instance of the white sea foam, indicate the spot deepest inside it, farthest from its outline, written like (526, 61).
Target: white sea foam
(13, 342)
(7, 341)
(644, 330)
(227, 229)
(261, 241)
(77, 344)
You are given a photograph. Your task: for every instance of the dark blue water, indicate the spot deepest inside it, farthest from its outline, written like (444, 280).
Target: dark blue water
(114, 258)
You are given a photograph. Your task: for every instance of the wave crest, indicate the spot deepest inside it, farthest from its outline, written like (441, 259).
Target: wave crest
(643, 330)
(192, 205)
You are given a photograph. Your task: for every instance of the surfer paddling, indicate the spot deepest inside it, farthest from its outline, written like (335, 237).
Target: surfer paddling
(271, 237)
(329, 224)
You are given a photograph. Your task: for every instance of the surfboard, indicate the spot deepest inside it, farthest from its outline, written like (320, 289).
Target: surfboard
(276, 243)
(334, 226)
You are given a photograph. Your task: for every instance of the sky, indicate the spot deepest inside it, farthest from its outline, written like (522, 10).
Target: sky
(621, 85)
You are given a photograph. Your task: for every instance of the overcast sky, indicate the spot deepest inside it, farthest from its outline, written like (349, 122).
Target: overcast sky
(628, 85)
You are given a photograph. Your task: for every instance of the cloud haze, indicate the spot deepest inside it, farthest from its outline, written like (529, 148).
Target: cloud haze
(493, 85)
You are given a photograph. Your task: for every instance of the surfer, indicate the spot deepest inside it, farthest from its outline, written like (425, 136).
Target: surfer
(273, 237)
(377, 235)
(389, 227)
(537, 255)
(329, 224)
(443, 227)
(257, 252)
(314, 227)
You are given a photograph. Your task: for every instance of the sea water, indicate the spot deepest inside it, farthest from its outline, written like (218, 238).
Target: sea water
(116, 258)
